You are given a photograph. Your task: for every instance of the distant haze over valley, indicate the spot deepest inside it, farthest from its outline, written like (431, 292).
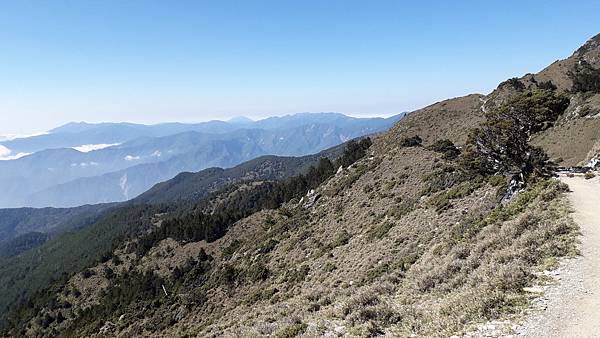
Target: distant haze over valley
(157, 180)
(86, 163)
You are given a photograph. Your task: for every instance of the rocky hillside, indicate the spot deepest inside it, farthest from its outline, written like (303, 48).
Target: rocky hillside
(577, 132)
(440, 225)
(39, 245)
(573, 140)
(379, 248)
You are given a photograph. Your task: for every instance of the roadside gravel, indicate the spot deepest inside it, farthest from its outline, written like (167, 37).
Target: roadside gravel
(571, 308)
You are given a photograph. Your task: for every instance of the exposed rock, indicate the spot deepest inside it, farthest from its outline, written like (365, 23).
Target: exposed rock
(594, 163)
(516, 185)
(311, 198)
(533, 289)
(107, 328)
(181, 312)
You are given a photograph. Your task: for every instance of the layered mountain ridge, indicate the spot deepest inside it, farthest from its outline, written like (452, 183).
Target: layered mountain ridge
(125, 160)
(417, 233)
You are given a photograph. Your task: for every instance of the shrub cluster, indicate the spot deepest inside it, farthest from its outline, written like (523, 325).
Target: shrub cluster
(446, 148)
(413, 141)
(585, 78)
(500, 146)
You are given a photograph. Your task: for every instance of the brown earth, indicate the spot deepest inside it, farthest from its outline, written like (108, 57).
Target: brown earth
(377, 253)
(571, 141)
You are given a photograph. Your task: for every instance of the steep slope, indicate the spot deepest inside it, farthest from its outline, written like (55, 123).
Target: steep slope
(449, 119)
(558, 72)
(93, 234)
(576, 133)
(573, 140)
(407, 240)
(414, 237)
(377, 249)
(192, 186)
(18, 222)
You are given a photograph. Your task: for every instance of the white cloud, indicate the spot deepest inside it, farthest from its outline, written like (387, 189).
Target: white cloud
(4, 151)
(156, 154)
(9, 137)
(14, 157)
(5, 154)
(131, 158)
(86, 148)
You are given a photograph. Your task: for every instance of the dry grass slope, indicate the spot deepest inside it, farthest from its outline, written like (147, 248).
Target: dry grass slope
(373, 255)
(380, 251)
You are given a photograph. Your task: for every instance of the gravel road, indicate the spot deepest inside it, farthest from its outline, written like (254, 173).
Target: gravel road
(572, 308)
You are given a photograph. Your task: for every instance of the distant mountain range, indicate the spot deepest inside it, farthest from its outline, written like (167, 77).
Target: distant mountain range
(19, 225)
(81, 163)
(404, 240)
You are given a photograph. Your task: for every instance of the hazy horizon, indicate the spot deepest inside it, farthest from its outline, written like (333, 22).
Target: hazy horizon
(12, 135)
(152, 62)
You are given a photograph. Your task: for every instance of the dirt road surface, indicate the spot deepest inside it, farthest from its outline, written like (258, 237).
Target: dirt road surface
(572, 308)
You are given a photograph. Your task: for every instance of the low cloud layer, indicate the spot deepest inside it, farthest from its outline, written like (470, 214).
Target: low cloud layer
(86, 148)
(5, 154)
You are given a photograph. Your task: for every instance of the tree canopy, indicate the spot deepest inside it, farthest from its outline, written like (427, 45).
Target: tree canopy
(501, 144)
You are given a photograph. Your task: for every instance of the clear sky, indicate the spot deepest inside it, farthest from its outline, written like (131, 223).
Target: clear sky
(153, 61)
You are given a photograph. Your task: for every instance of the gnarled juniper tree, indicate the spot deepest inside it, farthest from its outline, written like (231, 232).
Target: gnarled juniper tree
(501, 144)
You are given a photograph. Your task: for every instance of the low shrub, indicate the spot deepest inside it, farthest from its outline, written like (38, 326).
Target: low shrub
(585, 78)
(267, 246)
(442, 200)
(258, 272)
(87, 273)
(380, 230)
(342, 238)
(547, 85)
(404, 207)
(293, 330)
(413, 141)
(444, 176)
(295, 276)
(445, 147)
(231, 248)
(329, 267)
(261, 295)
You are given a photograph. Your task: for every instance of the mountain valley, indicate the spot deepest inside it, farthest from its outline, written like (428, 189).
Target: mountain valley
(448, 220)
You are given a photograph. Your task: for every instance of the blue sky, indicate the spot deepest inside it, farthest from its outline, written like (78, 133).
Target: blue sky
(153, 61)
